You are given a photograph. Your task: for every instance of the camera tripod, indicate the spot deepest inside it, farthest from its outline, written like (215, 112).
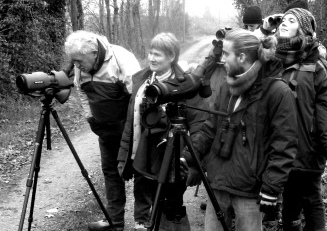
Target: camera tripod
(44, 125)
(171, 162)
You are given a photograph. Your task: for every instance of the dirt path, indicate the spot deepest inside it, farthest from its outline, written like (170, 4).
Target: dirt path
(64, 200)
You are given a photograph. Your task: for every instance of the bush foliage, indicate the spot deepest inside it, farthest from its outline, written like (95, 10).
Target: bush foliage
(31, 37)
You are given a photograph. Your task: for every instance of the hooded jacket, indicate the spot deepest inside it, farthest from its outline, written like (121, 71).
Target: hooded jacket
(107, 88)
(112, 82)
(264, 143)
(310, 77)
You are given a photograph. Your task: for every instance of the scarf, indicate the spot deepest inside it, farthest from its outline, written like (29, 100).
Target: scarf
(240, 83)
(289, 49)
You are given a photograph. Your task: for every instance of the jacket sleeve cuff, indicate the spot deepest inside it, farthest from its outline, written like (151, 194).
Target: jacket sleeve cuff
(269, 193)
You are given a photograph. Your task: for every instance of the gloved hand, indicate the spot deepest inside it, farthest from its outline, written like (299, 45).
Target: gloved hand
(268, 203)
(125, 170)
(272, 22)
(193, 178)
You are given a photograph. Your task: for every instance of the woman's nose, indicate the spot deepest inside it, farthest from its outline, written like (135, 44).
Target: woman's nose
(151, 57)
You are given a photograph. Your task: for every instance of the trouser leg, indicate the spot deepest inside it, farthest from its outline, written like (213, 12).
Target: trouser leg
(292, 204)
(114, 184)
(211, 220)
(144, 190)
(313, 206)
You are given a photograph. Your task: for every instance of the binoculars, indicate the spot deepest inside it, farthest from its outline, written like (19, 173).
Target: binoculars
(274, 21)
(226, 139)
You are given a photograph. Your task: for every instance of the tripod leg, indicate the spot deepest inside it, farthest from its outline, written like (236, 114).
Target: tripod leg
(219, 213)
(161, 180)
(79, 162)
(159, 214)
(35, 167)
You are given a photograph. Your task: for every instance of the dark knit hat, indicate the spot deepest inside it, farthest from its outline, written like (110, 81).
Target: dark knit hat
(305, 18)
(297, 4)
(252, 15)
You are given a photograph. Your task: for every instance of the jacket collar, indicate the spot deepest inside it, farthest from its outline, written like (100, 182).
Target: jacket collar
(146, 72)
(268, 74)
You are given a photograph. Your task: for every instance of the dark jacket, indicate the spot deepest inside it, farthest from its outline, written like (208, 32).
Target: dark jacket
(265, 140)
(311, 105)
(150, 138)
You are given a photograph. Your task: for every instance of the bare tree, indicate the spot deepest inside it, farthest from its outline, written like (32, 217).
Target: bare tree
(150, 15)
(155, 27)
(116, 22)
(108, 20)
(76, 14)
(139, 45)
(128, 24)
(101, 17)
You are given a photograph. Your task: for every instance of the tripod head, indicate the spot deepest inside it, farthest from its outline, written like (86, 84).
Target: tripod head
(48, 96)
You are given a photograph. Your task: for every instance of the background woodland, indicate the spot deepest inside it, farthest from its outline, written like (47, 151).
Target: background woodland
(32, 32)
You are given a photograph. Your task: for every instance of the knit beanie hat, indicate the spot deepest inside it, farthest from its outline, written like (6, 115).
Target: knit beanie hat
(297, 4)
(305, 18)
(252, 15)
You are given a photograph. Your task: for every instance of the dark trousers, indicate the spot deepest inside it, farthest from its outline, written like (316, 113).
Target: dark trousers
(144, 193)
(303, 193)
(114, 184)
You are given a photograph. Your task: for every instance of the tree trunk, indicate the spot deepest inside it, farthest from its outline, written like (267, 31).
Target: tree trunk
(151, 16)
(76, 15)
(116, 22)
(155, 27)
(138, 30)
(122, 35)
(108, 34)
(101, 17)
(129, 28)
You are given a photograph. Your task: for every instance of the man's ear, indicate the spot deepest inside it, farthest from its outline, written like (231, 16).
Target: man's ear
(242, 58)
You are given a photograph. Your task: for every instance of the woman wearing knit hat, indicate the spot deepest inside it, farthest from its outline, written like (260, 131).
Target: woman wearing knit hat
(252, 18)
(307, 77)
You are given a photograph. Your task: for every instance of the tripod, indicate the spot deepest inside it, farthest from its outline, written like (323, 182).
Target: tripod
(44, 124)
(171, 161)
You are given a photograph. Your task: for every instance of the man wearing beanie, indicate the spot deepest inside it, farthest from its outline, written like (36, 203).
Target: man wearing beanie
(252, 18)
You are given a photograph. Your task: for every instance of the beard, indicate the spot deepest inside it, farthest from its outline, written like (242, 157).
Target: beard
(235, 70)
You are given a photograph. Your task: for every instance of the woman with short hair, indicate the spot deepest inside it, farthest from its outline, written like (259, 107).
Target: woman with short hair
(143, 147)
